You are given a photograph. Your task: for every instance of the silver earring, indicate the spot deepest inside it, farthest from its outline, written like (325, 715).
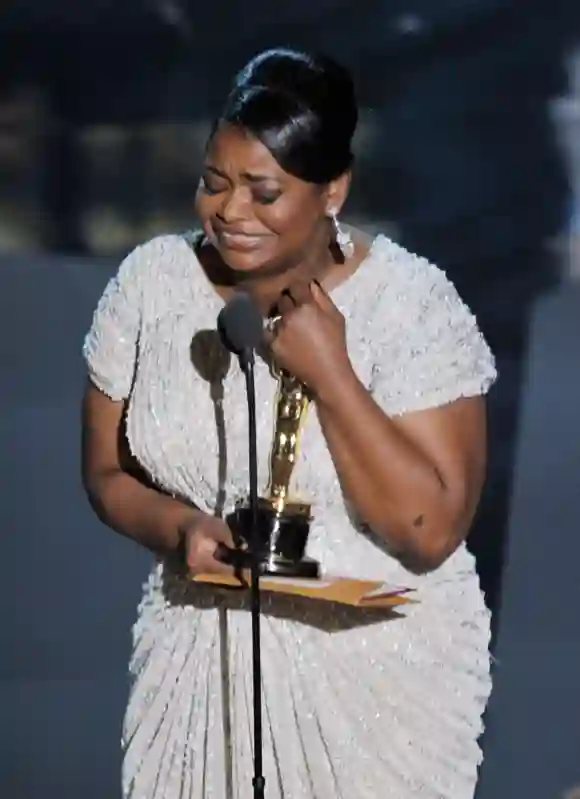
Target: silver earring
(343, 237)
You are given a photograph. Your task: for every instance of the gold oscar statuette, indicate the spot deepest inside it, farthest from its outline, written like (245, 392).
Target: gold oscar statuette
(283, 521)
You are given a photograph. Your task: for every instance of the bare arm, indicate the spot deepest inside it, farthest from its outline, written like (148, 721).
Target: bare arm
(117, 492)
(117, 489)
(415, 479)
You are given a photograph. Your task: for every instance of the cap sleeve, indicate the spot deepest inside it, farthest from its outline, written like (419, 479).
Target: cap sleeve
(110, 346)
(431, 351)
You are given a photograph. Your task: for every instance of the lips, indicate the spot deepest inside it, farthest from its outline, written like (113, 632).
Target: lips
(239, 241)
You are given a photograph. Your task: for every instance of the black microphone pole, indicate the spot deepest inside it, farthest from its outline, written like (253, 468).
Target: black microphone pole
(241, 327)
(247, 365)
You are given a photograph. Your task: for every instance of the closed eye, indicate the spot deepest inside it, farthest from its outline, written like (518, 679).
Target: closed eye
(209, 186)
(266, 198)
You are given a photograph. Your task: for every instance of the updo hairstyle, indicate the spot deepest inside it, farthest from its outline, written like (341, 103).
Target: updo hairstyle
(301, 107)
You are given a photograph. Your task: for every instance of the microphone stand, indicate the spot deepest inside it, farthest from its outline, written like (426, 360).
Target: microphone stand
(247, 365)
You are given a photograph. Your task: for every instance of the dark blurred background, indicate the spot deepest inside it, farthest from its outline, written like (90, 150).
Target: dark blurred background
(467, 153)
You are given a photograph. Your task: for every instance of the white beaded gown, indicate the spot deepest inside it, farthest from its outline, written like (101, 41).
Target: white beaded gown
(355, 707)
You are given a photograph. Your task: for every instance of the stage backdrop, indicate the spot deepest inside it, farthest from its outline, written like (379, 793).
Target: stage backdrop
(533, 740)
(69, 587)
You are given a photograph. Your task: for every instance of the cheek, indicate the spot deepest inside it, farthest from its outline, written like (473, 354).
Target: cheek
(289, 219)
(297, 231)
(204, 210)
(202, 204)
(272, 218)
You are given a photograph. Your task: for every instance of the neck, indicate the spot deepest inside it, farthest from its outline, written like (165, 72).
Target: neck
(266, 289)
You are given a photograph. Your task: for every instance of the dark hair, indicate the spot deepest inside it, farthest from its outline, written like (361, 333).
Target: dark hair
(302, 107)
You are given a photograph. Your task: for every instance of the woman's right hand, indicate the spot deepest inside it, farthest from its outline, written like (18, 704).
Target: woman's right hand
(202, 535)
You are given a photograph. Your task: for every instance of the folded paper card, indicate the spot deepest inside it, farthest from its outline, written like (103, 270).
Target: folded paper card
(344, 590)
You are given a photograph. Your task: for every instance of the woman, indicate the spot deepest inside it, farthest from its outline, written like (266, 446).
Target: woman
(392, 457)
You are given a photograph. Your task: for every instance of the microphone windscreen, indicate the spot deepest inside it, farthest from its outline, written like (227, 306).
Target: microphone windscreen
(240, 324)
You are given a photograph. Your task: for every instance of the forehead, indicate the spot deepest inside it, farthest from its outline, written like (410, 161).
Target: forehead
(234, 151)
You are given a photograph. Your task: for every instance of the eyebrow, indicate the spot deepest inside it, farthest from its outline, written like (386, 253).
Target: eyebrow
(249, 176)
(253, 178)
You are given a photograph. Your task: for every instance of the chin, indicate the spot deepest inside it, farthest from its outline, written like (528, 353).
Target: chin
(259, 262)
(242, 262)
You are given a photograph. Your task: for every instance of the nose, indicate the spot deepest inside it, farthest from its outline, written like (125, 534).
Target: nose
(234, 207)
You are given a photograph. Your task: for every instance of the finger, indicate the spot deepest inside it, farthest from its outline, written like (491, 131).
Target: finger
(321, 298)
(268, 337)
(216, 566)
(286, 303)
(201, 558)
(300, 292)
(222, 534)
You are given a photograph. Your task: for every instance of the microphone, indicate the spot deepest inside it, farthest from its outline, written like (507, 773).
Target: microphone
(241, 327)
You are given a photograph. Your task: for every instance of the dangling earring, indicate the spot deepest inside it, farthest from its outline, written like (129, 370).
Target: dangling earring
(343, 238)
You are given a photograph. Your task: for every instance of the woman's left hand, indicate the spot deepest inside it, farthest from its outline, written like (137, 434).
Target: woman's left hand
(309, 339)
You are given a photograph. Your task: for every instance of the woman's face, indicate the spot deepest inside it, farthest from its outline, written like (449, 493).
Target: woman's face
(256, 215)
